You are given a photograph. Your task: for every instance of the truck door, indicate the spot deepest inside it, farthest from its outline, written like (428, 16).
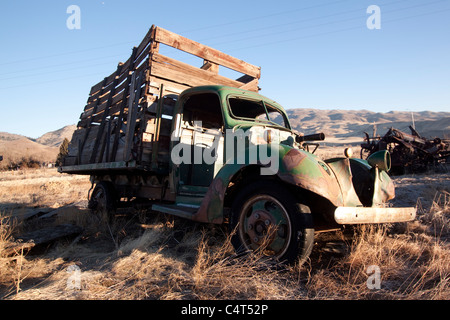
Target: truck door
(201, 146)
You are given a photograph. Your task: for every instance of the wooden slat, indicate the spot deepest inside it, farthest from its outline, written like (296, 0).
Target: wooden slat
(97, 87)
(165, 67)
(103, 84)
(126, 65)
(251, 86)
(169, 86)
(179, 42)
(145, 42)
(123, 86)
(165, 72)
(116, 99)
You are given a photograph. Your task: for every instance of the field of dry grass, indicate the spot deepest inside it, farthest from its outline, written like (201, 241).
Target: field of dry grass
(143, 255)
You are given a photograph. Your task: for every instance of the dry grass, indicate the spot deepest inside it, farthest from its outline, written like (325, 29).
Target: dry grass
(150, 256)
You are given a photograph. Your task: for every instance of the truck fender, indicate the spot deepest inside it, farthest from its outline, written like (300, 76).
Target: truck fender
(302, 169)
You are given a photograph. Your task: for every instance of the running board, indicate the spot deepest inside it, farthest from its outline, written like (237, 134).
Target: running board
(361, 215)
(176, 210)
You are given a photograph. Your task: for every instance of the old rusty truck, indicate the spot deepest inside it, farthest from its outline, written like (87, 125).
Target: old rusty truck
(192, 143)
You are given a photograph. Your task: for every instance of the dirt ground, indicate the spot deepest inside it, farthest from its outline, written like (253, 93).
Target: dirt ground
(144, 255)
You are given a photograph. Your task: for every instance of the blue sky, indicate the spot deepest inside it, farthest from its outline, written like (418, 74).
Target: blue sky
(313, 54)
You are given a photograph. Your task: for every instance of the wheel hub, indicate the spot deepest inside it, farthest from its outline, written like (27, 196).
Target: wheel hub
(258, 226)
(265, 224)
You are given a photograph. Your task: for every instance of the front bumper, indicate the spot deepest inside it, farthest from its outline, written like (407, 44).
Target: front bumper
(362, 215)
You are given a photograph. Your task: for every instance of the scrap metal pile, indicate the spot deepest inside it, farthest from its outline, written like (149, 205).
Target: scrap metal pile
(410, 153)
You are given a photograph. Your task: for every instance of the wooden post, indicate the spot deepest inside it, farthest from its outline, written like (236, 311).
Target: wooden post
(133, 104)
(155, 144)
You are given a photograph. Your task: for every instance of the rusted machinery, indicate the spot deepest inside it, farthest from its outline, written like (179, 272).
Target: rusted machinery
(410, 153)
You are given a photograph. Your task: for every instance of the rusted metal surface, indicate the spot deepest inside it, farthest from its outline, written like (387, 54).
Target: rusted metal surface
(341, 168)
(410, 153)
(310, 173)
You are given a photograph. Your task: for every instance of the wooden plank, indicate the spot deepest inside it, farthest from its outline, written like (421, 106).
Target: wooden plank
(170, 86)
(145, 42)
(122, 76)
(118, 95)
(115, 107)
(127, 64)
(165, 67)
(141, 58)
(179, 42)
(165, 72)
(251, 86)
(46, 235)
(123, 86)
(110, 79)
(97, 87)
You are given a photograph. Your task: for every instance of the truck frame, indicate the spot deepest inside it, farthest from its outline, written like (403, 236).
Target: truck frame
(191, 143)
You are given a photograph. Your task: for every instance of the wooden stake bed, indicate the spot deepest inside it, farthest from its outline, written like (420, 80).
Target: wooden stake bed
(126, 124)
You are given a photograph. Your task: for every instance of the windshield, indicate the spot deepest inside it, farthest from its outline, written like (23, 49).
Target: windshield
(256, 111)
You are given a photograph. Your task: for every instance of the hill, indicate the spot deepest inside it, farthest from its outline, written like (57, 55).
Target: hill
(55, 138)
(348, 126)
(16, 148)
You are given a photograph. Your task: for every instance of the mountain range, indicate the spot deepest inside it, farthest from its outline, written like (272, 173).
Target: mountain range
(348, 126)
(340, 127)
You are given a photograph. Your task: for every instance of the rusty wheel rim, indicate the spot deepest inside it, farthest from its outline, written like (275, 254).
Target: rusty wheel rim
(265, 226)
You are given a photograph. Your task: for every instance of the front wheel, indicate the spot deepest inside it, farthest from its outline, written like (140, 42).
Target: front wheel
(267, 218)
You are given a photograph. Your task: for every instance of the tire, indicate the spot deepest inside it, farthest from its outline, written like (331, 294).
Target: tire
(103, 202)
(268, 219)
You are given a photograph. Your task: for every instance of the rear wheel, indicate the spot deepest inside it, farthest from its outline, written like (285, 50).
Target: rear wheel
(103, 202)
(268, 219)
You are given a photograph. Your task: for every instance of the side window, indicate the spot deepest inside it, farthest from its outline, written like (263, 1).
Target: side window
(241, 108)
(204, 107)
(276, 116)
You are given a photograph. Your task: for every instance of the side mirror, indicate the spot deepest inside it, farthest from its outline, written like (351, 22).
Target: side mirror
(380, 159)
